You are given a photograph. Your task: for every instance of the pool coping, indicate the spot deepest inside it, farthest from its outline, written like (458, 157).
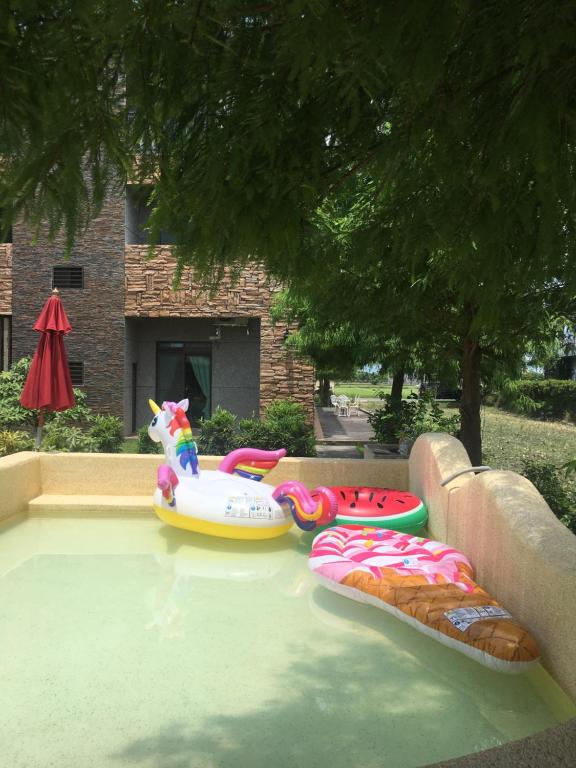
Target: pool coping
(552, 748)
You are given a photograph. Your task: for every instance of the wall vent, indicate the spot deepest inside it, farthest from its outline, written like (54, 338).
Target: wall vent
(67, 277)
(76, 373)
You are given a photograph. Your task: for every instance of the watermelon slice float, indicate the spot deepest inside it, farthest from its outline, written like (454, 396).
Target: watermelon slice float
(375, 507)
(324, 507)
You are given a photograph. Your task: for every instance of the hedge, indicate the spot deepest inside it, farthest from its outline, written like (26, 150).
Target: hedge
(540, 398)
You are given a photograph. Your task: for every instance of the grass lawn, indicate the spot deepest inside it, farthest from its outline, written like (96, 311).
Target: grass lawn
(355, 388)
(130, 446)
(510, 440)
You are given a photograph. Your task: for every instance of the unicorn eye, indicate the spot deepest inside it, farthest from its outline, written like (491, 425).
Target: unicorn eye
(154, 420)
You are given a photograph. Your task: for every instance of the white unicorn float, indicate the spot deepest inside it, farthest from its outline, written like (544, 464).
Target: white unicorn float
(231, 501)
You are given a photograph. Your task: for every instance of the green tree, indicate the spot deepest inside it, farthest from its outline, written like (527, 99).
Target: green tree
(252, 118)
(414, 315)
(335, 348)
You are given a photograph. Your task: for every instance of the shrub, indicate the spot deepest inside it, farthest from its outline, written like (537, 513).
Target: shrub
(13, 441)
(409, 418)
(551, 483)
(388, 421)
(283, 426)
(59, 436)
(218, 433)
(107, 433)
(254, 433)
(12, 414)
(540, 398)
(285, 422)
(76, 429)
(145, 443)
(79, 415)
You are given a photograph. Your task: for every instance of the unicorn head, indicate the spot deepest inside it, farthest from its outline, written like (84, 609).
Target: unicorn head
(170, 426)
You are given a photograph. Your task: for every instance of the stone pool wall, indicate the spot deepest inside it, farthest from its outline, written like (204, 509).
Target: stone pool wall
(29, 481)
(521, 552)
(20, 482)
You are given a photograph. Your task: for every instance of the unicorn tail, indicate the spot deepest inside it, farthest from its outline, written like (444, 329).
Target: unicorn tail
(309, 509)
(251, 463)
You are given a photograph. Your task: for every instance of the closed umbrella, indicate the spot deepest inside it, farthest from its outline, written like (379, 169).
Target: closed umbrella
(48, 386)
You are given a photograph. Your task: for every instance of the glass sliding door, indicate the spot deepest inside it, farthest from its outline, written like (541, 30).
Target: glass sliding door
(169, 372)
(184, 370)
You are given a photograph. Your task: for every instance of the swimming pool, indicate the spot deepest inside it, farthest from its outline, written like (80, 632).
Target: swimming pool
(127, 643)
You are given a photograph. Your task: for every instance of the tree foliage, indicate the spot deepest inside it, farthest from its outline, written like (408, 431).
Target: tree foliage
(250, 115)
(431, 145)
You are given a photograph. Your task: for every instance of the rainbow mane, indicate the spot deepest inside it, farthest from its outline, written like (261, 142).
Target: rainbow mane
(186, 449)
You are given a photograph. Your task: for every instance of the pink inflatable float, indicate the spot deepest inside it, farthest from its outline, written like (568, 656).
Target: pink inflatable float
(427, 584)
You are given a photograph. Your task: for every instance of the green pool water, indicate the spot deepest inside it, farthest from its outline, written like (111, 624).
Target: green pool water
(126, 643)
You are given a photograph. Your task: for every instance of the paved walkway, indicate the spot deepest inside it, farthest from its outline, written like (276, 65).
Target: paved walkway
(349, 429)
(338, 436)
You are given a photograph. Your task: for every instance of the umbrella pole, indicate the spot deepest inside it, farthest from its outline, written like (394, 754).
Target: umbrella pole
(39, 430)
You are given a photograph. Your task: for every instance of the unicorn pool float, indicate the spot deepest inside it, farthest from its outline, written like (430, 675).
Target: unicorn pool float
(232, 502)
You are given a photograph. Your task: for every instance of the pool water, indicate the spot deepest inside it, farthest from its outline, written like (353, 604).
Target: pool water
(128, 643)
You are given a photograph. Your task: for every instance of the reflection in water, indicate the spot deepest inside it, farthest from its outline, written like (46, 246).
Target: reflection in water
(190, 557)
(124, 643)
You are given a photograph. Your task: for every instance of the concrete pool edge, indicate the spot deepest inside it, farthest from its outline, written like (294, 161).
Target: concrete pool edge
(553, 748)
(521, 552)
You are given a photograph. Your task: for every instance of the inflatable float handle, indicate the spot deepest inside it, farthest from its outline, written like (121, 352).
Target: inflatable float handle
(251, 457)
(167, 480)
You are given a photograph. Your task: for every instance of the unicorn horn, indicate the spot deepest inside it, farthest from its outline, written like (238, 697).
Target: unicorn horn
(155, 408)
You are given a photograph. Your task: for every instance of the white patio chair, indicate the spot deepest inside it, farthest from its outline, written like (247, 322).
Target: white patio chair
(334, 401)
(342, 409)
(354, 407)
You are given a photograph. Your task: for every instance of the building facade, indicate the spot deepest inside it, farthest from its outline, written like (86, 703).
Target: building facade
(134, 337)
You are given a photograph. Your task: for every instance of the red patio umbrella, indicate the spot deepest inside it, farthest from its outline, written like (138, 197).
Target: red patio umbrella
(48, 386)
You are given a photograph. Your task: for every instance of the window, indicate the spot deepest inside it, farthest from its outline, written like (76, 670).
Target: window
(5, 234)
(67, 277)
(138, 210)
(76, 373)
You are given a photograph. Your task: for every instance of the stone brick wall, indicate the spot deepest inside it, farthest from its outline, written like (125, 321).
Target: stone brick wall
(119, 282)
(149, 293)
(282, 374)
(5, 278)
(96, 312)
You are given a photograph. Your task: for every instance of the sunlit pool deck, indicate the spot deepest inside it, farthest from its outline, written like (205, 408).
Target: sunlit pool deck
(125, 642)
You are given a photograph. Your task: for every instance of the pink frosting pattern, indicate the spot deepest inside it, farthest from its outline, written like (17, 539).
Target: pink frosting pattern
(347, 548)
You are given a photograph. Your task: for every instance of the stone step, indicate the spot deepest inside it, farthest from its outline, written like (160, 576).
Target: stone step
(68, 505)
